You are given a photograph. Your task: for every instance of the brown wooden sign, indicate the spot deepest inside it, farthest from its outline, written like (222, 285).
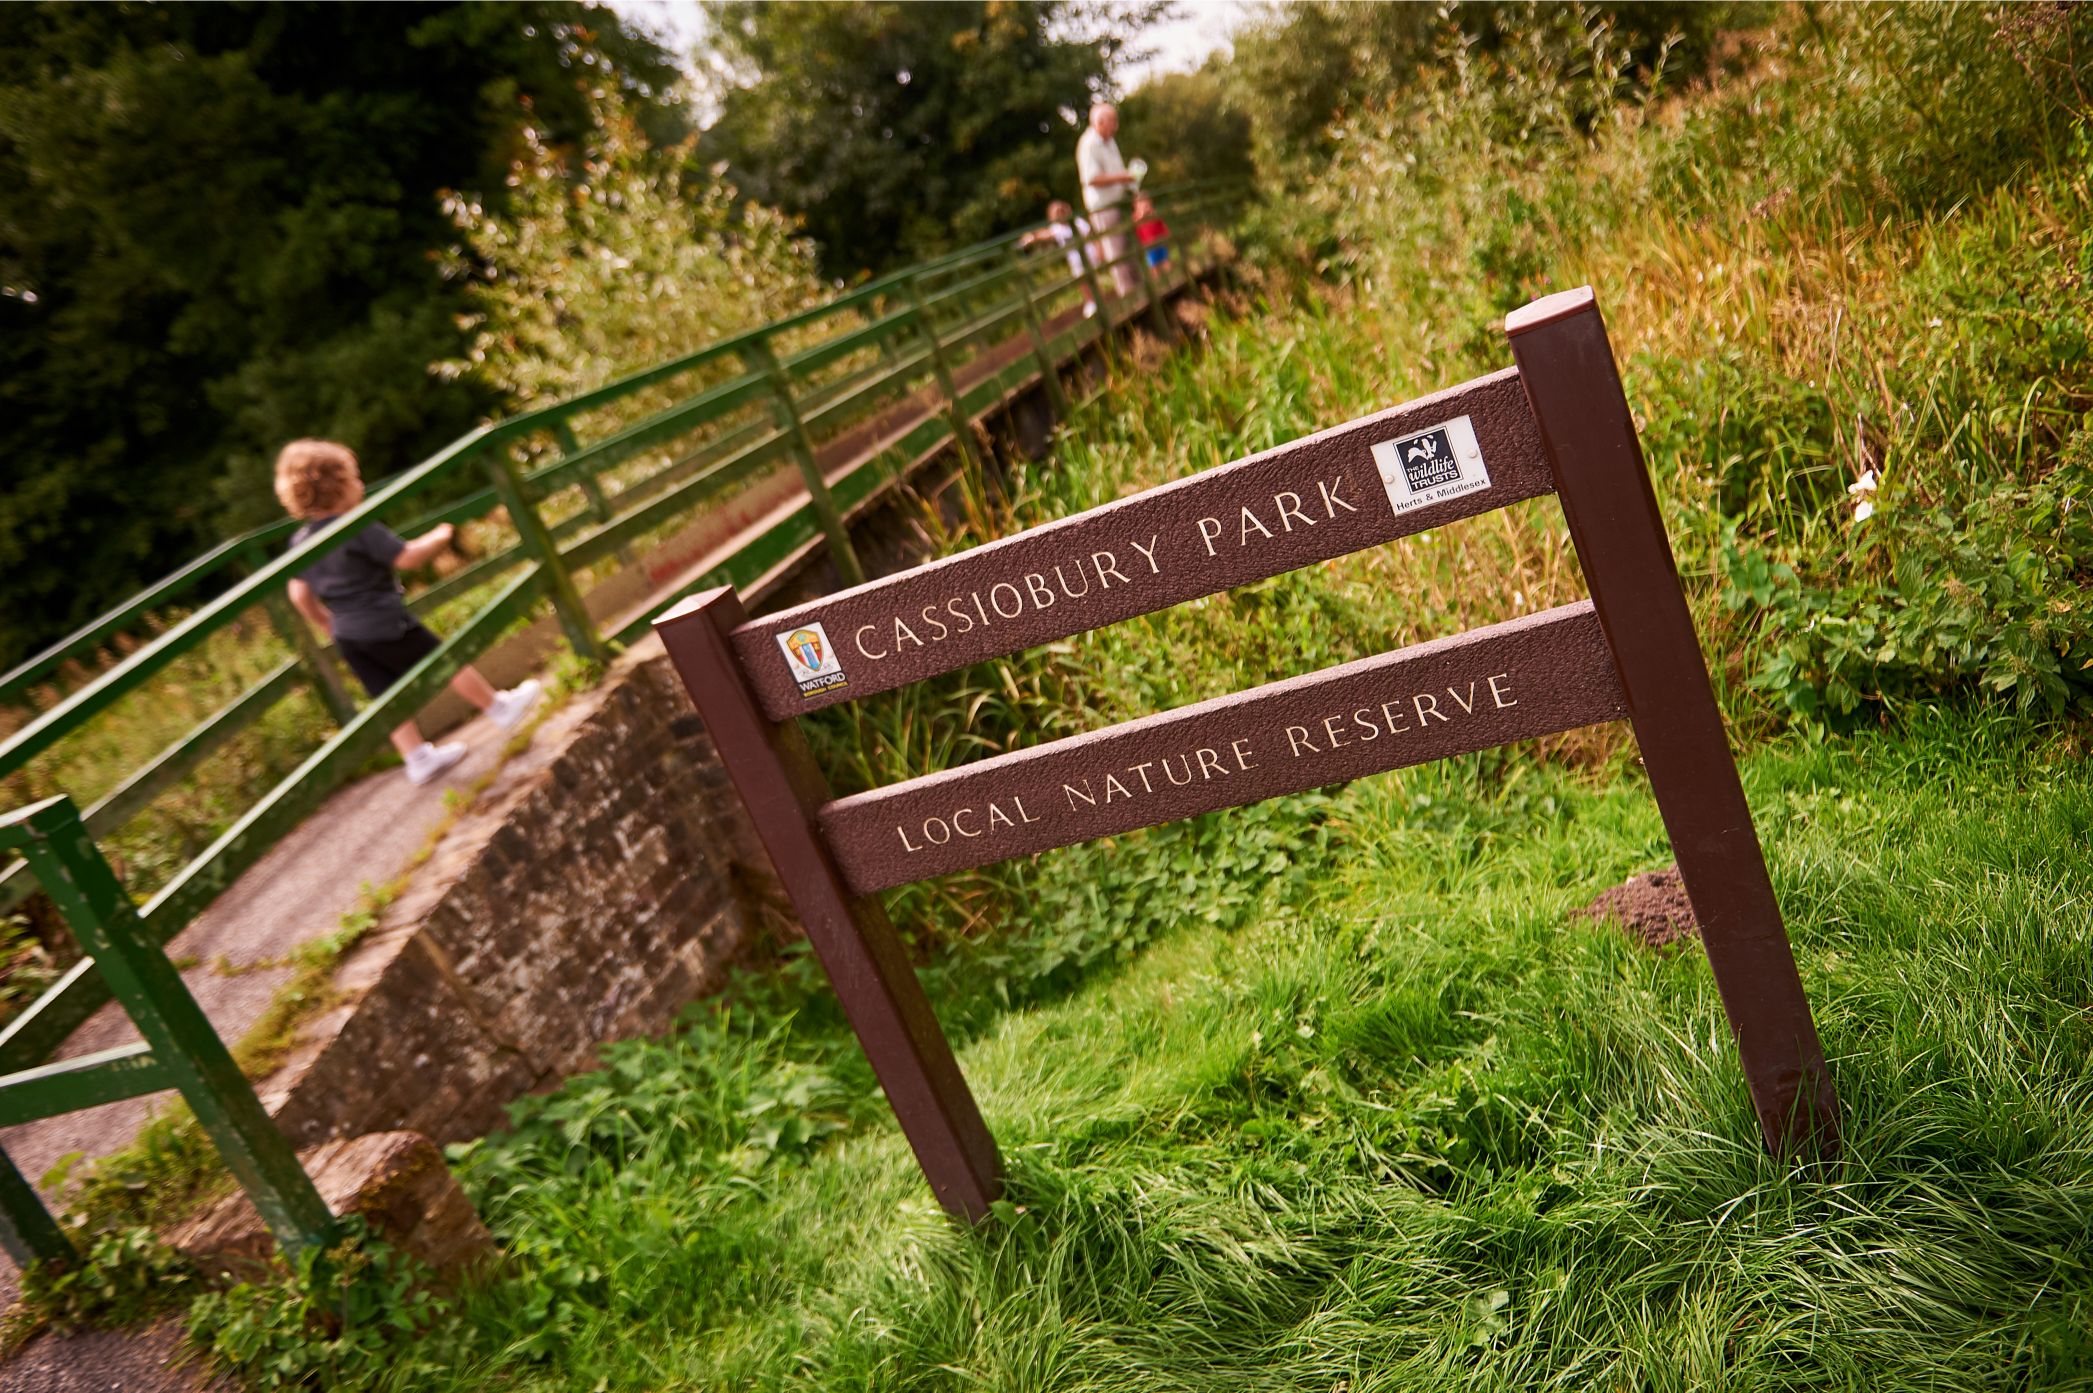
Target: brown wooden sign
(1304, 502)
(1531, 676)
(1557, 422)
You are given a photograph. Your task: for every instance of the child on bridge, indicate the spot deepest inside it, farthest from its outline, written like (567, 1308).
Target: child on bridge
(1063, 228)
(1152, 230)
(354, 594)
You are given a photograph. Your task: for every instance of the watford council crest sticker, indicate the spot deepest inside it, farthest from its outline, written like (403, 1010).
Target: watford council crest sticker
(1432, 465)
(812, 659)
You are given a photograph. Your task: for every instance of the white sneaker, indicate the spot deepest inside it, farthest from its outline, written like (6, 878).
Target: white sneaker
(511, 707)
(426, 761)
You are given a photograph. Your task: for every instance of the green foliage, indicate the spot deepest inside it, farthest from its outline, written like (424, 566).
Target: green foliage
(1915, 108)
(27, 964)
(127, 1276)
(895, 131)
(163, 1175)
(1988, 592)
(217, 236)
(1794, 322)
(1188, 126)
(1305, 70)
(601, 261)
(350, 1317)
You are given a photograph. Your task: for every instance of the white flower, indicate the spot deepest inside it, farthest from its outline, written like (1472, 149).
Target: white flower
(1862, 492)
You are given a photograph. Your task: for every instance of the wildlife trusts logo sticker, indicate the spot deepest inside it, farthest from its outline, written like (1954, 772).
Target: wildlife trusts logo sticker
(1432, 465)
(813, 660)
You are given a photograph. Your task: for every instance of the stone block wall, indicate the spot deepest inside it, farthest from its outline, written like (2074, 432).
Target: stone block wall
(605, 880)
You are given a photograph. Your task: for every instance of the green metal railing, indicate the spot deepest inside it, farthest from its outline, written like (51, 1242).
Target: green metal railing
(180, 1051)
(850, 396)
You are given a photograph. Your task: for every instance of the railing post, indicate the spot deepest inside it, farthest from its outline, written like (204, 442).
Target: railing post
(1097, 293)
(182, 1039)
(591, 487)
(28, 1233)
(320, 671)
(955, 415)
(1107, 349)
(566, 598)
(757, 356)
(1049, 375)
(290, 626)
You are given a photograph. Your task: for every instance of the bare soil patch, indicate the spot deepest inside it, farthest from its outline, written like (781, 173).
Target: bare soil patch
(1651, 909)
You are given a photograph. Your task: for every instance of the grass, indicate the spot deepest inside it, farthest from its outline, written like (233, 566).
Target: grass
(1335, 1092)
(1397, 1121)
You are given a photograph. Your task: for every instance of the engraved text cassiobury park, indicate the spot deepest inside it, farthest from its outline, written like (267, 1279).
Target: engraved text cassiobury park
(1331, 494)
(1131, 562)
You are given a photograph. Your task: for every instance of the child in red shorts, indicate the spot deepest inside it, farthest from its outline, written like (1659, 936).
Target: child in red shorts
(353, 593)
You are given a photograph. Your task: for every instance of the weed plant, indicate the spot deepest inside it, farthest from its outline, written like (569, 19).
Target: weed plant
(1853, 273)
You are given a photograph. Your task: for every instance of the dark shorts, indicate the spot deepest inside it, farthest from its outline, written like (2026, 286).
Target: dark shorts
(378, 663)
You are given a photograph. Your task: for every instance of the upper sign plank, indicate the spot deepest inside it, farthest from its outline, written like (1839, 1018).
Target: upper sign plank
(1457, 453)
(1530, 676)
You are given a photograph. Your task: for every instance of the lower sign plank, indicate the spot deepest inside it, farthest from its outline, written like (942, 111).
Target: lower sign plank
(1527, 677)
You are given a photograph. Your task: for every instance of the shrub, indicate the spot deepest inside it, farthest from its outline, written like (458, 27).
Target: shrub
(607, 263)
(1822, 274)
(1989, 593)
(124, 1276)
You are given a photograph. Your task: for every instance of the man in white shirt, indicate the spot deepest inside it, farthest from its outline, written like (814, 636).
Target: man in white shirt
(1106, 187)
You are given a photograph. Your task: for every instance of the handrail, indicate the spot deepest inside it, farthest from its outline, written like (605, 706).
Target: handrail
(106, 625)
(39, 734)
(16, 681)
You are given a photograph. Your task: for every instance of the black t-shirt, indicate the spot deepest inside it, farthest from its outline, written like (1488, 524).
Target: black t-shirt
(357, 583)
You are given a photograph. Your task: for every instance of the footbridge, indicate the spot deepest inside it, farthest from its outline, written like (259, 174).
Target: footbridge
(745, 461)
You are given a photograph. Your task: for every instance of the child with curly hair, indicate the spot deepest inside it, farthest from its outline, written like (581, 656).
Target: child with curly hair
(353, 593)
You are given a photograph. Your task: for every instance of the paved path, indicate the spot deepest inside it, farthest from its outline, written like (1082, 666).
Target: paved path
(365, 834)
(153, 1360)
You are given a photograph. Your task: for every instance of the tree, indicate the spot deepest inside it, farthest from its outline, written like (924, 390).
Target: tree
(1306, 64)
(898, 130)
(218, 233)
(1188, 126)
(603, 262)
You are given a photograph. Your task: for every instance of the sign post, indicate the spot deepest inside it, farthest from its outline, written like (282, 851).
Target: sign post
(1566, 362)
(1557, 423)
(774, 772)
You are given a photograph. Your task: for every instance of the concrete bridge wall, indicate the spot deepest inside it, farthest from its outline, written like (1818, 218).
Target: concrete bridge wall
(604, 881)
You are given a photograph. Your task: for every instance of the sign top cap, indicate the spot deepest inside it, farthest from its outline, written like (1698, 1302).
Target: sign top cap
(1548, 309)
